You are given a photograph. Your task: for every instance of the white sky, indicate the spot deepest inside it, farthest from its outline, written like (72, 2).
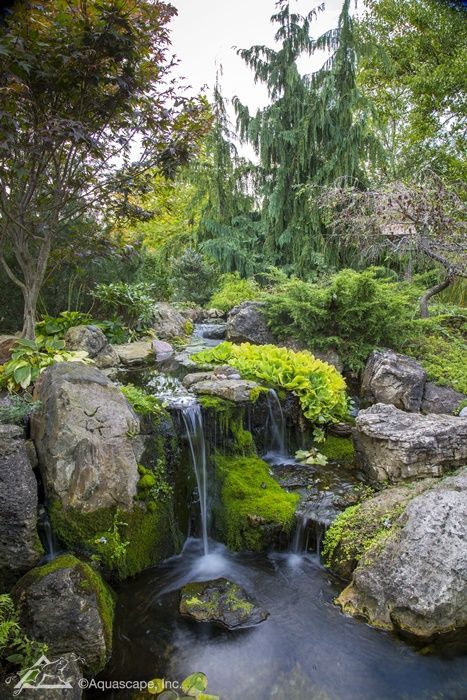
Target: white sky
(205, 32)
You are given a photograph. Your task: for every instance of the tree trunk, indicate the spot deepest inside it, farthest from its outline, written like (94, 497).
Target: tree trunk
(432, 292)
(30, 296)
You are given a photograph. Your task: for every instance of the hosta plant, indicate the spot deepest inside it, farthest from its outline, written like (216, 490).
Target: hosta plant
(319, 386)
(31, 357)
(58, 325)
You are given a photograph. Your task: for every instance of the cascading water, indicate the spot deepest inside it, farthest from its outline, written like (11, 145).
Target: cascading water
(309, 535)
(193, 420)
(276, 433)
(46, 535)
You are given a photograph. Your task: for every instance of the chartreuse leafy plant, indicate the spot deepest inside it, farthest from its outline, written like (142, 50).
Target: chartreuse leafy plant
(29, 358)
(318, 385)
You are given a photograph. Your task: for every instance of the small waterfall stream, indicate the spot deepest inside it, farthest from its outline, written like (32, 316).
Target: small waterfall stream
(193, 421)
(276, 429)
(46, 534)
(309, 535)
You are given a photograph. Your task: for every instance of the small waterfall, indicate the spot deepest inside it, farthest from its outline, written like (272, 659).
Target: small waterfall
(46, 535)
(193, 420)
(309, 535)
(276, 425)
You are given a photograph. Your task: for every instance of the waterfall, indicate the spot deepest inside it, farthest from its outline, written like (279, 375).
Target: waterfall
(276, 425)
(46, 535)
(193, 420)
(309, 535)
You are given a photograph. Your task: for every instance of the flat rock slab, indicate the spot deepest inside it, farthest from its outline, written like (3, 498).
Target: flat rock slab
(236, 390)
(133, 354)
(221, 602)
(392, 445)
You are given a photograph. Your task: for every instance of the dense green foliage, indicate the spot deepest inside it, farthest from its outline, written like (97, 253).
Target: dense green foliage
(142, 402)
(16, 649)
(193, 277)
(29, 358)
(17, 409)
(319, 386)
(353, 313)
(233, 291)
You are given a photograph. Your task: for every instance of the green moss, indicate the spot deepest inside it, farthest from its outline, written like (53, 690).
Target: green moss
(188, 327)
(258, 391)
(149, 533)
(143, 403)
(337, 449)
(91, 582)
(250, 501)
(355, 531)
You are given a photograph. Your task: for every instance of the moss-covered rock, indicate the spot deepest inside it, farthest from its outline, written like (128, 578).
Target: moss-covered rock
(338, 449)
(221, 602)
(252, 508)
(67, 605)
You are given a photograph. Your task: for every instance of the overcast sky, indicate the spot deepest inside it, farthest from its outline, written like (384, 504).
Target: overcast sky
(205, 32)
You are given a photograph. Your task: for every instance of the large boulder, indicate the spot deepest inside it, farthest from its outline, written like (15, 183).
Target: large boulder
(441, 399)
(246, 324)
(93, 341)
(415, 578)
(82, 433)
(168, 323)
(20, 547)
(393, 379)
(236, 390)
(392, 445)
(221, 602)
(68, 606)
(134, 354)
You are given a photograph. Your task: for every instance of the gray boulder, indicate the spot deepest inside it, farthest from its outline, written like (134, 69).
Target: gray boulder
(415, 580)
(134, 354)
(168, 323)
(393, 379)
(82, 433)
(69, 607)
(441, 399)
(93, 341)
(20, 547)
(246, 324)
(221, 602)
(393, 445)
(236, 390)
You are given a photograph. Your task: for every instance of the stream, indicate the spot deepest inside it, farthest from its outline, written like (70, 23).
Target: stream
(306, 649)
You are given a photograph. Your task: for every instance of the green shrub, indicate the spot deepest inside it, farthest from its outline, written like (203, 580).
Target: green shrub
(58, 325)
(354, 312)
(319, 386)
(131, 303)
(233, 291)
(193, 277)
(156, 270)
(18, 409)
(16, 648)
(29, 358)
(143, 403)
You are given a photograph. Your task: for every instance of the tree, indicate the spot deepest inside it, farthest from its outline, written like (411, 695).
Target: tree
(424, 217)
(81, 82)
(315, 130)
(413, 68)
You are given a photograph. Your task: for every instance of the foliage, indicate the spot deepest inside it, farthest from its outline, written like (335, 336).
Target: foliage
(58, 326)
(413, 68)
(82, 81)
(248, 492)
(424, 217)
(15, 646)
(313, 131)
(320, 387)
(156, 270)
(311, 456)
(29, 358)
(233, 291)
(353, 312)
(193, 277)
(153, 487)
(142, 402)
(114, 330)
(17, 408)
(132, 303)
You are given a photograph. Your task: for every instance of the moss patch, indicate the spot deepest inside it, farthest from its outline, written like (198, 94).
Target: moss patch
(149, 534)
(337, 449)
(251, 502)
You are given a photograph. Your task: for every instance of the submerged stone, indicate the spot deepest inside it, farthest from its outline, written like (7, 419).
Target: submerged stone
(221, 602)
